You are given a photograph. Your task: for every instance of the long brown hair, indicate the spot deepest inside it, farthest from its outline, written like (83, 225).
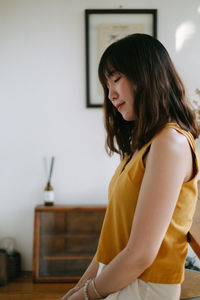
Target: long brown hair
(159, 97)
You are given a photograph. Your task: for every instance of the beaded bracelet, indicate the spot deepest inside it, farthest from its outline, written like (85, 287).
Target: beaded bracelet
(95, 290)
(85, 292)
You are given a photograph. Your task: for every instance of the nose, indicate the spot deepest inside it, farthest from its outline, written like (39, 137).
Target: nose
(112, 94)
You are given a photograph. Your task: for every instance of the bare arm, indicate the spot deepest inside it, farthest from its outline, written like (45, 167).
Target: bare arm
(168, 165)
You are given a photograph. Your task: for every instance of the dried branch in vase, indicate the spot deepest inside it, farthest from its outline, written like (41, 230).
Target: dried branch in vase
(196, 105)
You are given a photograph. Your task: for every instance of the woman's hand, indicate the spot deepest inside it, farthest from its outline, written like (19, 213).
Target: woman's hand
(77, 295)
(69, 293)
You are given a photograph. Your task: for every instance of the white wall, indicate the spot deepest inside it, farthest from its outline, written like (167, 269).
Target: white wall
(42, 112)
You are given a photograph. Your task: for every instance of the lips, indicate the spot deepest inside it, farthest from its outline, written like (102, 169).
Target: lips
(118, 106)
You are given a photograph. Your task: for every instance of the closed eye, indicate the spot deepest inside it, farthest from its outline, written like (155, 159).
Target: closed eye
(117, 79)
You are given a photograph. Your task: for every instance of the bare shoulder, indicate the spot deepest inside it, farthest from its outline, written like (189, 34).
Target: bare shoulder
(170, 150)
(170, 140)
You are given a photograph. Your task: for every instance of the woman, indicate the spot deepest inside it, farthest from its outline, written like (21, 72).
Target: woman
(152, 195)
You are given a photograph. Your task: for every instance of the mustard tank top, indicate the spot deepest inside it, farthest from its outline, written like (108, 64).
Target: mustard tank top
(168, 266)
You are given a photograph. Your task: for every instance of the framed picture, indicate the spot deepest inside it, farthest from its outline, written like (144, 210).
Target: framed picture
(102, 28)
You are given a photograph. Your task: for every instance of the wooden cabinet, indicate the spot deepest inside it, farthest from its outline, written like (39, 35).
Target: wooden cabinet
(65, 241)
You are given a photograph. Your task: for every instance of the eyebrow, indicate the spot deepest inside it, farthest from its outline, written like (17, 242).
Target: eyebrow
(111, 73)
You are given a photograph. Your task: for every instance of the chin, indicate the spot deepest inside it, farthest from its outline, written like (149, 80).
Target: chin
(128, 115)
(128, 118)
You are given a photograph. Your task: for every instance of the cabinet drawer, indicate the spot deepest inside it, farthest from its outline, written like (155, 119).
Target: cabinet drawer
(69, 244)
(84, 221)
(52, 222)
(63, 268)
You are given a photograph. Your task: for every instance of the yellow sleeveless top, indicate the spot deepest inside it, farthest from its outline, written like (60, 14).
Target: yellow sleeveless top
(168, 266)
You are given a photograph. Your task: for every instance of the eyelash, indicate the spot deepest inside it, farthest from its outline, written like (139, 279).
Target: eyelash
(117, 79)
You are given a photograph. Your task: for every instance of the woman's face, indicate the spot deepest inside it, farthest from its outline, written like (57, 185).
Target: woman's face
(121, 94)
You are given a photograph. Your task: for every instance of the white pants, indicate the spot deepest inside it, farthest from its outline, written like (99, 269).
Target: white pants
(142, 290)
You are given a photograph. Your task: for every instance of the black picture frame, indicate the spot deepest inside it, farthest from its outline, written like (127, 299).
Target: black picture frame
(101, 24)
